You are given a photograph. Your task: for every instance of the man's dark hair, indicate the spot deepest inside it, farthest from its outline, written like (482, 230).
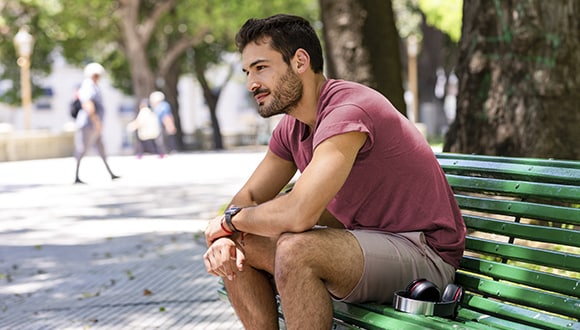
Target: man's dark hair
(287, 34)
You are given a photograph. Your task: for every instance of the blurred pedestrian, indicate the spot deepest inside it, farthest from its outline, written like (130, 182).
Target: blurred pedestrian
(163, 110)
(148, 131)
(89, 120)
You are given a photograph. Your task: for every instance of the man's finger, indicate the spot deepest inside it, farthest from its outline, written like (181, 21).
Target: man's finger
(240, 259)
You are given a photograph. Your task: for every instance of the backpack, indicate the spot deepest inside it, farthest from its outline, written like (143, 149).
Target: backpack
(75, 107)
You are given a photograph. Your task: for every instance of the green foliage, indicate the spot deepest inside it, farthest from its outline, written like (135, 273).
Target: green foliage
(446, 15)
(216, 22)
(408, 17)
(15, 15)
(88, 30)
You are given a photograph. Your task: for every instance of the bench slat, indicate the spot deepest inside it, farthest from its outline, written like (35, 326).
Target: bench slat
(567, 215)
(512, 160)
(548, 258)
(543, 301)
(536, 173)
(553, 235)
(377, 312)
(486, 319)
(363, 317)
(520, 275)
(552, 191)
(517, 314)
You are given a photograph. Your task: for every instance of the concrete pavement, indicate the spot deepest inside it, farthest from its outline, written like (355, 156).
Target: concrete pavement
(124, 254)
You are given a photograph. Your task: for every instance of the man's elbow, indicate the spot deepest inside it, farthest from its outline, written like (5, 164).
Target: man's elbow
(303, 221)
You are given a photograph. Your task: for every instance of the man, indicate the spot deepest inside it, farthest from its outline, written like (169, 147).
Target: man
(162, 109)
(90, 118)
(367, 175)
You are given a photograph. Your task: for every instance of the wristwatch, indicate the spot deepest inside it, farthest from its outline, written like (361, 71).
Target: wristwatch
(229, 214)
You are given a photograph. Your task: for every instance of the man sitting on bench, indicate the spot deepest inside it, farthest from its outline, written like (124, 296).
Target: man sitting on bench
(365, 170)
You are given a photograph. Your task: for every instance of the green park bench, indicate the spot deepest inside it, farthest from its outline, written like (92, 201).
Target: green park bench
(521, 267)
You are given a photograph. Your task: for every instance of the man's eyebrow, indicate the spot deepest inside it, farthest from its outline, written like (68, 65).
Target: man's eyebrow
(253, 64)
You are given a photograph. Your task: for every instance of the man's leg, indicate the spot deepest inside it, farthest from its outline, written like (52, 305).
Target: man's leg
(251, 293)
(101, 150)
(309, 265)
(82, 144)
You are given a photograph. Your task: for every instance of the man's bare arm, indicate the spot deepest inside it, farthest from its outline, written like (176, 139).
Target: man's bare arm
(301, 209)
(271, 175)
(269, 178)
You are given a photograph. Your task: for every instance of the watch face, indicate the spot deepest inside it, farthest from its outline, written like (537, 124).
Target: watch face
(230, 214)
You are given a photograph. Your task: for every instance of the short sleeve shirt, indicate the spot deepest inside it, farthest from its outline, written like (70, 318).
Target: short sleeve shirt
(89, 90)
(162, 109)
(396, 184)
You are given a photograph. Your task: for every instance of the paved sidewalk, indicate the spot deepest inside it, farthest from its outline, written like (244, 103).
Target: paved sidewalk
(123, 254)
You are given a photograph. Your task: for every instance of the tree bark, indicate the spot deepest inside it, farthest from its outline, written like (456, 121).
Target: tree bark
(211, 96)
(362, 45)
(519, 80)
(137, 30)
(171, 96)
(135, 42)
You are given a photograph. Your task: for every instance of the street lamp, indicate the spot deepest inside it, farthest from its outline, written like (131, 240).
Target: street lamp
(412, 52)
(24, 43)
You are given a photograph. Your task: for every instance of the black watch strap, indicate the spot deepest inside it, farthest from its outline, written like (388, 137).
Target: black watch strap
(229, 214)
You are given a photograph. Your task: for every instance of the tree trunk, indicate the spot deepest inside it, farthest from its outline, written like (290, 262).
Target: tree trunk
(362, 45)
(211, 97)
(171, 96)
(135, 44)
(518, 73)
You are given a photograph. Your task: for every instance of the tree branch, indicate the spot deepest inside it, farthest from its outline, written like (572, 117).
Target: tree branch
(148, 26)
(177, 49)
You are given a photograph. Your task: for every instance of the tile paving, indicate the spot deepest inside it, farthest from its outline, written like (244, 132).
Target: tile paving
(114, 255)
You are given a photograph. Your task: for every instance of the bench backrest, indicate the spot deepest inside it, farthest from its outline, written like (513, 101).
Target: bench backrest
(522, 259)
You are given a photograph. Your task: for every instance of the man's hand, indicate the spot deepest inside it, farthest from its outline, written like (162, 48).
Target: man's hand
(214, 230)
(222, 257)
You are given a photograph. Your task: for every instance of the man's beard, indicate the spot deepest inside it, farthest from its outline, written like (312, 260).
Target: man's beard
(285, 96)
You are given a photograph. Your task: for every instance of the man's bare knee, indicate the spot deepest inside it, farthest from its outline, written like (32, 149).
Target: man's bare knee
(291, 255)
(292, 246)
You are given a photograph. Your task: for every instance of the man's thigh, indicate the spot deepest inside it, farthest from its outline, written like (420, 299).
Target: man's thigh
(392, 261)
(84, 138)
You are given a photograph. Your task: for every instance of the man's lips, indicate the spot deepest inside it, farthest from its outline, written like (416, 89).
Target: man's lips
(260, 96)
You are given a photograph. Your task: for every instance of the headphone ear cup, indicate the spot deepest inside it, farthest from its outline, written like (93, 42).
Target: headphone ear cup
(411, 286)
(422, 289)
(452, 292)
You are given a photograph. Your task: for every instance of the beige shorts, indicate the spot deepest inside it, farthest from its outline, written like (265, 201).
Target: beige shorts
(392, 261)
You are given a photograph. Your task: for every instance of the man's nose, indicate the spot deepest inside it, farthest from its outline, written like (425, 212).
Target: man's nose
(252, 85)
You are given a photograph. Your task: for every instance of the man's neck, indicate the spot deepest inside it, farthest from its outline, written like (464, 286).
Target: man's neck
(306, 110)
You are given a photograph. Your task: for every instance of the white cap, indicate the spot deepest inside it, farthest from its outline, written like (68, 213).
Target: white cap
(156, 96)
(94, 69)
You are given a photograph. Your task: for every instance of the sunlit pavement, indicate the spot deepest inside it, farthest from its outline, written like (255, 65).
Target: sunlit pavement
(123, 254)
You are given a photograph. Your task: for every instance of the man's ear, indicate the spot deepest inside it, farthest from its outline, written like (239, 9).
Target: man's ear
(301, 60)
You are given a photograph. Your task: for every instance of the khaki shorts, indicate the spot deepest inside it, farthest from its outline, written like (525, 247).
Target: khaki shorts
(392, 261)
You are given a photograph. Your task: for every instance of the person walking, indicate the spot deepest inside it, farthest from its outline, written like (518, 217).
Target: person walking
(163, 110)
(370, 212)
(89, 121)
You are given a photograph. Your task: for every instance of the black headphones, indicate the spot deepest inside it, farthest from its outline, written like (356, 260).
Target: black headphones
(423, 297)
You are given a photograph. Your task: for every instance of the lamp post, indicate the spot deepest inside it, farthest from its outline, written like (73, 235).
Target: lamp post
(412, 51)
(24, 42)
